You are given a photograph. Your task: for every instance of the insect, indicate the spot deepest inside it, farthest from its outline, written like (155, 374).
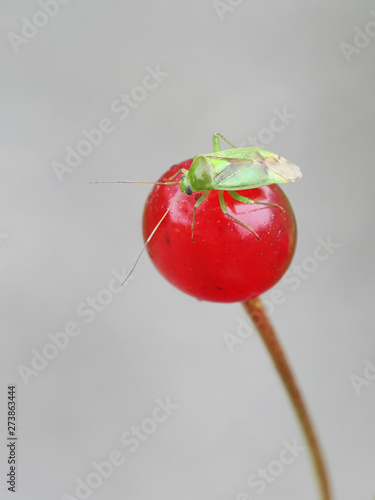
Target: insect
(231, 170)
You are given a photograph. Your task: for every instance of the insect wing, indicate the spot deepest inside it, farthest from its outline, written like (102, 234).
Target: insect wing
(248, 168)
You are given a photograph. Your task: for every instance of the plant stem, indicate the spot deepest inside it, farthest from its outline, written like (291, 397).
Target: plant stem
(257, 313)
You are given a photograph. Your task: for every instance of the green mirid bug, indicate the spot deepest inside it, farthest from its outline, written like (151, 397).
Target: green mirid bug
(235, 170)
(231, 170)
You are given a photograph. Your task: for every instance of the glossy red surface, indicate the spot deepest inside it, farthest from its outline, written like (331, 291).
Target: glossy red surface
(225, 262)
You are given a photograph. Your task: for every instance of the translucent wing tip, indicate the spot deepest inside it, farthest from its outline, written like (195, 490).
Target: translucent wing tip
(283, 167)
(295, 172)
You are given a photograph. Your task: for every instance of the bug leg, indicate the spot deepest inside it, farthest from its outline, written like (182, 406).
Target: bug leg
(244, 199)
(216, 142)
(199, 202)
(225, 211)
(176, 174)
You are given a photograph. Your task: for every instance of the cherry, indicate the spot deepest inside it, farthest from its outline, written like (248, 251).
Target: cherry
(225, 262)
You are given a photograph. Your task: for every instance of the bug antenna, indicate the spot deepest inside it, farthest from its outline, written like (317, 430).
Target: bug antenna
(134, 182)
(151, 235)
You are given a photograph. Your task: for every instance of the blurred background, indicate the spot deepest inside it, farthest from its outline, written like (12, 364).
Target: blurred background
(118, 395)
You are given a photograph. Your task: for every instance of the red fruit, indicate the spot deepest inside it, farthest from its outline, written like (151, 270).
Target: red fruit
(226, 262)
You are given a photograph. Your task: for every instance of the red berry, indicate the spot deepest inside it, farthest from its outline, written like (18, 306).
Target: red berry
(225, 262)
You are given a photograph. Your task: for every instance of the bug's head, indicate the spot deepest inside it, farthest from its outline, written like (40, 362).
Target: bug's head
(185, 186)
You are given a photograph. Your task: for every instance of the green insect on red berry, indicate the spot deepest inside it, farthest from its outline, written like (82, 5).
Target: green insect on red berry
(240, 241)
(225, 262)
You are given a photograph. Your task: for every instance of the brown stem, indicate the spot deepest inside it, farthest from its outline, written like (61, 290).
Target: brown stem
(257, 313)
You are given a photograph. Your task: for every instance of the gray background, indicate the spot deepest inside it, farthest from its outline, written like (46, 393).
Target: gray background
(61, 241)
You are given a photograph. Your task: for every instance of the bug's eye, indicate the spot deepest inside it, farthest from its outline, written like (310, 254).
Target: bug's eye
(189, 191)
(183, 176)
